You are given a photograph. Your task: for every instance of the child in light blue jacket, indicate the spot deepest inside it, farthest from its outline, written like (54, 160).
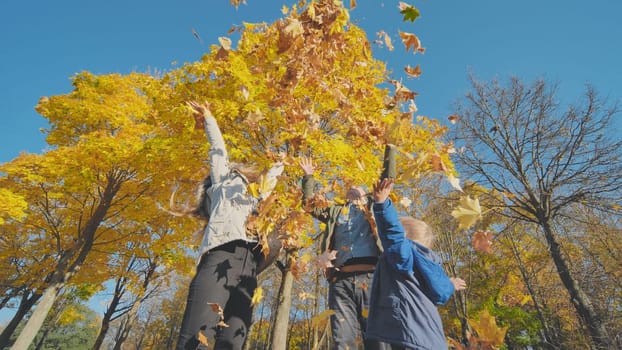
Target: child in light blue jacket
(409, 281)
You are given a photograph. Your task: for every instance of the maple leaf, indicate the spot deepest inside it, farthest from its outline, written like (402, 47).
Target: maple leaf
(409, 11)
(294, 28)
(413, 72)
(411, 40)
(254, 118)
(257, 296)
(468, 212)
(482, 241)
(405, 202)
(487, 329)
(225, 43)
(402, 93)
(305, 296)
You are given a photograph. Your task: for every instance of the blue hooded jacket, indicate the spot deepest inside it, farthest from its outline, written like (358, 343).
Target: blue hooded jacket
(408, 284)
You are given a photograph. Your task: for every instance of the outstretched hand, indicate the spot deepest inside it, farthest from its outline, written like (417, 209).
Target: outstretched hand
(382, 190)
(200, 111)
(459, 283)
(307, 166)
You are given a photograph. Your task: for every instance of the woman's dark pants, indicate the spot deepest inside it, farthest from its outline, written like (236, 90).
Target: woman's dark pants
(226, 278)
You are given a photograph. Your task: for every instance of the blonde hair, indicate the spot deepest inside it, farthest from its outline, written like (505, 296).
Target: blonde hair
(250, 172)
(418, 231)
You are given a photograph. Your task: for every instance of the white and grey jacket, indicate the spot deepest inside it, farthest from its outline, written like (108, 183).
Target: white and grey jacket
(229, 202)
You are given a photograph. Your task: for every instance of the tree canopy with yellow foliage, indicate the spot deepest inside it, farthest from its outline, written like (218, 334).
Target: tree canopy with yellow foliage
(305, 85)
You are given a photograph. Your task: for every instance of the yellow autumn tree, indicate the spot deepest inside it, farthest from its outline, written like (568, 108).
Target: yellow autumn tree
(307, 85)
(97, 189)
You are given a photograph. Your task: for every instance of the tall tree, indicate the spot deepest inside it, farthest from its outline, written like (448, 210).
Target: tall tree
(544, 161)
(93, 188)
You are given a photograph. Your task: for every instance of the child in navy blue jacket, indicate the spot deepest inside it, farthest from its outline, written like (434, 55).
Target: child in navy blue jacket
(409, 281)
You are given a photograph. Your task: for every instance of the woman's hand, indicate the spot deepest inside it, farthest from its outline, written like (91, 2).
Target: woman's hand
(306, 164)
(200, 111)
(382, 190)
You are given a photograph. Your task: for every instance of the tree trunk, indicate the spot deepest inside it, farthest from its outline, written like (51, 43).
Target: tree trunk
(112, 308)
(102, 333)
(69, 262)
(547, 336)
(24, 306)
(278, 338)
(38, 316)
(124, 332)
(44, 335)
(580, 300)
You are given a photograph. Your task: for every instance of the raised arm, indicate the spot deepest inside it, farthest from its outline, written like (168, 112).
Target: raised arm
(389, 164)
(218, 158)
(390, 230)
(308, 183)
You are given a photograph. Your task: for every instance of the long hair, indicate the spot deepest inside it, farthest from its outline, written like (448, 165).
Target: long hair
(201, 210)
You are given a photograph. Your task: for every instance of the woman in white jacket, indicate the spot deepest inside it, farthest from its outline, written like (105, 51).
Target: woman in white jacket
(218, 310)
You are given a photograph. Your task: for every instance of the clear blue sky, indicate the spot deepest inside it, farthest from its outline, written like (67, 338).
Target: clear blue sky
(44, 43)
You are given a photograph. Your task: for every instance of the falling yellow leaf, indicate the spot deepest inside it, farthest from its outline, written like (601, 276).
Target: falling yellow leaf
(365, 312)
(468, 212)
(305, 296)
(294, 28)
(257, 296)
(225, 43)
(317, 320)
(487, 329)
(202, 338)
(266, 185)
(254, 118)
(482, 241)
(454, 182)
(253, 189)
(352, 4)
(406, 202)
